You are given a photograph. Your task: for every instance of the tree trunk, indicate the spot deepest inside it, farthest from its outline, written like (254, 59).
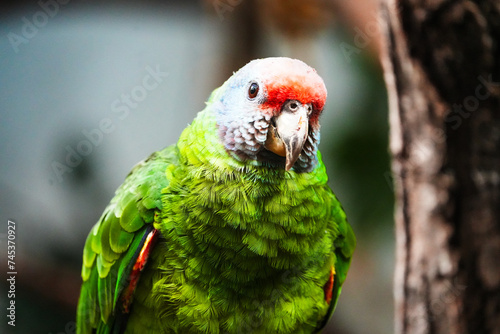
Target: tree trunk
(441, 62)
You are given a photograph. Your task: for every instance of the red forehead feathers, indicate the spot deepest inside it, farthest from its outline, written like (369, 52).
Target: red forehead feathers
(310, 89)
(291, 79)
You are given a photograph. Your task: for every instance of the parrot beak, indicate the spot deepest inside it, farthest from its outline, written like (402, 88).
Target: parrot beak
(288, 131)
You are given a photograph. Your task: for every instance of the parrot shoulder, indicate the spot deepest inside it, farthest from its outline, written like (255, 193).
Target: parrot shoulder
(344, 245)
(118, 245)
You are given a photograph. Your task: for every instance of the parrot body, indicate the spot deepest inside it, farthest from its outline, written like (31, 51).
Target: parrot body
(231, 230)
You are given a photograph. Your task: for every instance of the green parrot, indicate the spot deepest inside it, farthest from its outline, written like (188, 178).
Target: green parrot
(233, 229)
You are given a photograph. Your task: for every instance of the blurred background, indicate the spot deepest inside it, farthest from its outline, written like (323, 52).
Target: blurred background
(88, 89)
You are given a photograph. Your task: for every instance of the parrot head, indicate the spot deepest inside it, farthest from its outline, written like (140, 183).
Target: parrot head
(268, 112)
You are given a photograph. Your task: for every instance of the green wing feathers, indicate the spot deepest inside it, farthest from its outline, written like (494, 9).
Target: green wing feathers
(114, 240)
(344, 243)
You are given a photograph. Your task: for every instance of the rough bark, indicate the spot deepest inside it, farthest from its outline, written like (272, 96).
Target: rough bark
(441, 64)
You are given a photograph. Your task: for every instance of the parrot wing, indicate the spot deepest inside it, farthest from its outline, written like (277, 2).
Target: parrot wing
(344, 244)
(118, 246)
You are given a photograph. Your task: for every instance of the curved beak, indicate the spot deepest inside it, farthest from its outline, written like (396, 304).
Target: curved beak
(288, 132)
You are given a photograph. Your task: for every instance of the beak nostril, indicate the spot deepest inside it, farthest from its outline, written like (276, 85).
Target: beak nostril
(273, 122)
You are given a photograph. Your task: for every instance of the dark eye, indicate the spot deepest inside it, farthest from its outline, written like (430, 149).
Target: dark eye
(253, 90)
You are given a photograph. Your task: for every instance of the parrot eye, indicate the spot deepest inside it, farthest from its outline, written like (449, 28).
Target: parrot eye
(253, 90)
